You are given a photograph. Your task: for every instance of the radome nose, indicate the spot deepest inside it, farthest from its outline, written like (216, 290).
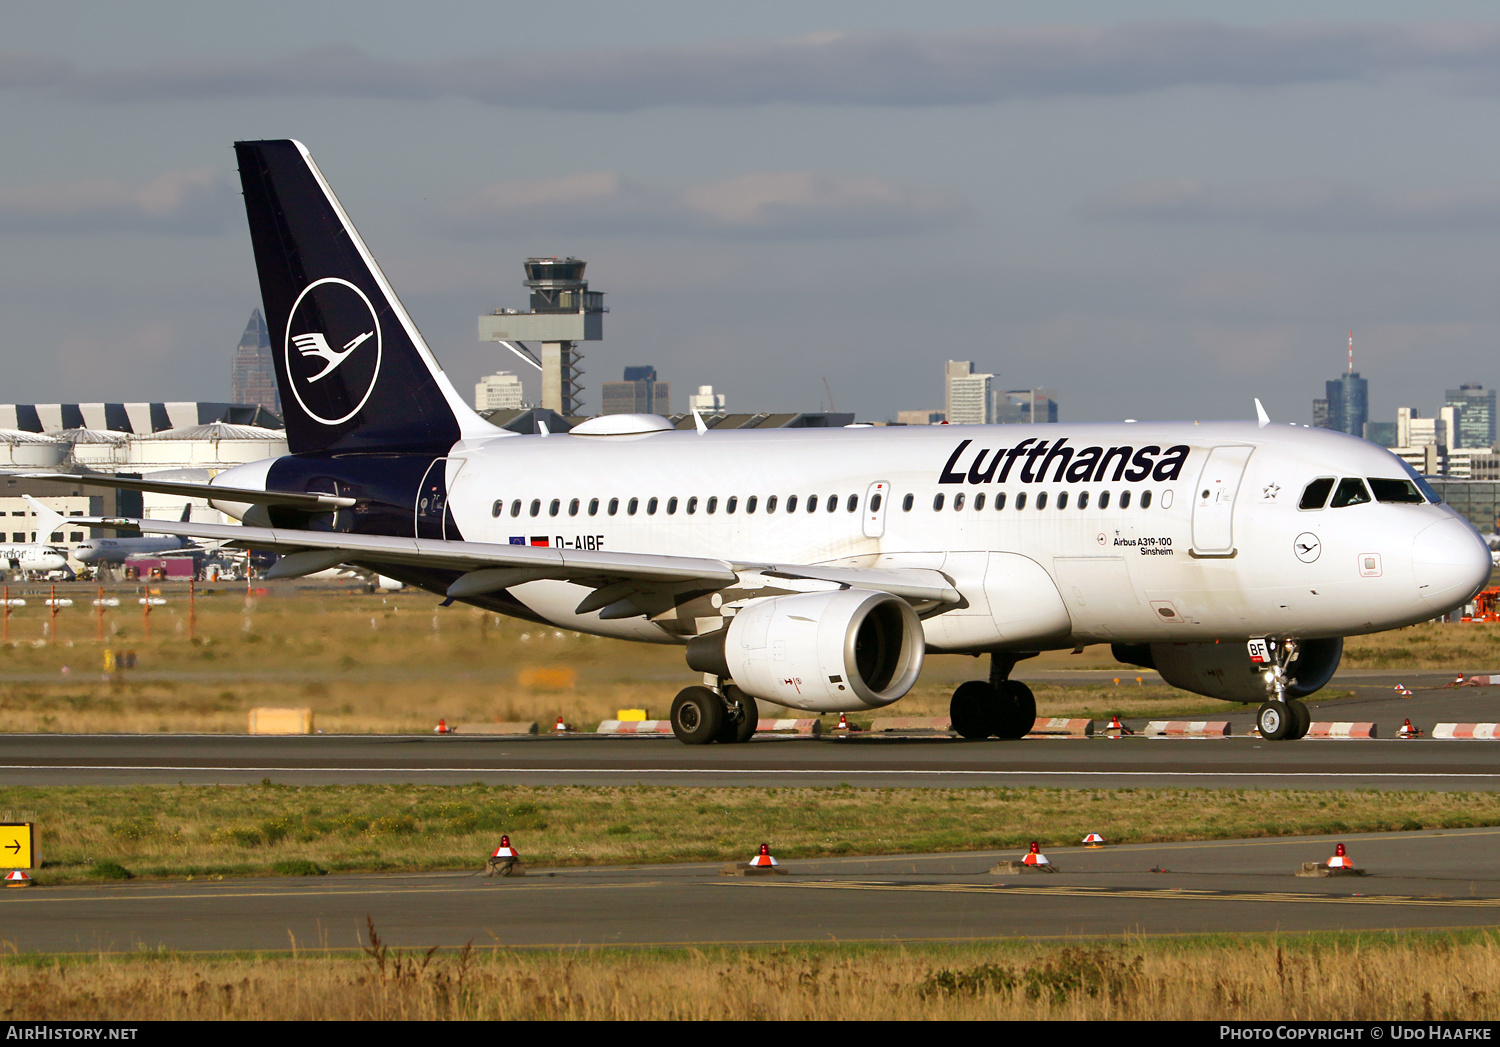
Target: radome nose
(1451, 563)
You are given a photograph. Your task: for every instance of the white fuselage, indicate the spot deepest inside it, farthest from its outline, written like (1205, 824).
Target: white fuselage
(32, 556)
(1210, 544)
(118, 550)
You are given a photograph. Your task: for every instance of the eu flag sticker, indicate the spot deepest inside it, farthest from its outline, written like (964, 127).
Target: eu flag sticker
(517, 539)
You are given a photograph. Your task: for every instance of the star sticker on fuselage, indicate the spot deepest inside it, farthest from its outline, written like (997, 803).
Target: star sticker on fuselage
(1270, 491)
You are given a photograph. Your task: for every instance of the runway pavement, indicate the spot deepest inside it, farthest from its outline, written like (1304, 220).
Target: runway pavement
(1417, 880)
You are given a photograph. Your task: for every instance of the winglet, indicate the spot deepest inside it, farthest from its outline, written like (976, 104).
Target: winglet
(698, 422)
(47, 520)
(1261, 418)
(541, 428)
(187, 513)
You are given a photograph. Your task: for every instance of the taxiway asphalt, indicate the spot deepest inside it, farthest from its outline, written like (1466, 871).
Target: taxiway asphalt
(1416, 880)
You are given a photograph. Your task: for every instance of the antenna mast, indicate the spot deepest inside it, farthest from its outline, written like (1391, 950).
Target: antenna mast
(1351, 352)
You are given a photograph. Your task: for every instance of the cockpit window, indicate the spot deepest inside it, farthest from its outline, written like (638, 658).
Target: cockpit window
(1395, 491)
(1422, 485)
(1315, 494)
(1351, 491)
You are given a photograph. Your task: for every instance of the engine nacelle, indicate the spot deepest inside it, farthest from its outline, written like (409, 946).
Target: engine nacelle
(1224, 670)
(844, 650)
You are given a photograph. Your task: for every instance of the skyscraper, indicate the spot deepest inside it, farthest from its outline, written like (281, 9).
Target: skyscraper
(498, 391)
(1476, 415)
(254, 373)
(1348, 400)
(639, 393)
(967, 400)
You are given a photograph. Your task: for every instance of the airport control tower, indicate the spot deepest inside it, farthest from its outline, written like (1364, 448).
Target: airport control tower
(563, 313)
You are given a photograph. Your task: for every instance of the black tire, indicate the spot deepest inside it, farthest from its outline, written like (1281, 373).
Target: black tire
(1303, 717)
(697, 715)
(741, 716)
(971, 712)
(1275, 721)
(1018, 710)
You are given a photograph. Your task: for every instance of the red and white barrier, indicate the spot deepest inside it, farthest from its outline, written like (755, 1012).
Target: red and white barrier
(1188, 728)
(1476, 731)
(789, 726)
(912, 723)
(635, 727)
(1340, 729)
(1476, 681)
(1061, 725)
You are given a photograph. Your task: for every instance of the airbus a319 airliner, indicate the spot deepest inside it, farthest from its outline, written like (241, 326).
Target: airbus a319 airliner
(814, 568)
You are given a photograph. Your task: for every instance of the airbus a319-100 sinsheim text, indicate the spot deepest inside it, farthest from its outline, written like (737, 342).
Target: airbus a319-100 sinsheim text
(814, 568)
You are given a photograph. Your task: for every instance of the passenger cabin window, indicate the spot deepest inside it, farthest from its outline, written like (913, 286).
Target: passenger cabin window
(1351, 491)
(999, 500)
(573, 507)
(515, 507)
(1021, 500)
(614, 506)
(874, 503)
(651, 507)
(536, 507)
(672, 506)
(791, 504)
(554, 507)
(1395, 491)
(812, 503)
(1315, 494)
(1145, 499)
(906, 503)
(854, 502)
(1104, 499)
(937, 502)
(692, 505)
(771, 504)
(593, 507)
(978, 501)
(713, 505)
(1062, 500)
(958, 502)
(750, 504)
(1041, 500)
(1083, 499)
(1124, 499)
(833, 503)
(634, 504)
(498, 507)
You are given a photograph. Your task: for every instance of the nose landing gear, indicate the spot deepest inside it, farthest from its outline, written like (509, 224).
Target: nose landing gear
(1282, 718)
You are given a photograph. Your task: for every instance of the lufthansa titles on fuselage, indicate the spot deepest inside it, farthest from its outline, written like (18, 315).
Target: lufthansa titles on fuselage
(1030, 459)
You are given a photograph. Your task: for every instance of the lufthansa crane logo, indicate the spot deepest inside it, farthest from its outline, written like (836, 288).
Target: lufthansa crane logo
(332, 350)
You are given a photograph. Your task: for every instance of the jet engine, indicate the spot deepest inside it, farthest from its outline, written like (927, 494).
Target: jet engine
(1224, 670)
(844, 650)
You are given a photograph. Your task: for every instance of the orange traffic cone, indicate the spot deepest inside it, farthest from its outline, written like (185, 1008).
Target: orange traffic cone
(1402, 690)
(1035, 856)
(843, 723)
(763, 860)
(560, 726)
(17, 878)
(1408, 731)
(1093, 840)
(1116, 729)
(1340, 859)
(442, 728)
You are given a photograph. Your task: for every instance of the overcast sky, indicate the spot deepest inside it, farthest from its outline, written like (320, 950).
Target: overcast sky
(1161, 209)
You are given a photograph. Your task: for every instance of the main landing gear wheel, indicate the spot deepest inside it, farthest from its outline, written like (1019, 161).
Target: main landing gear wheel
(1275, 721)
(741, 717)
(697, 715)
(1303, 718)
(972, 711)
(1018, 710)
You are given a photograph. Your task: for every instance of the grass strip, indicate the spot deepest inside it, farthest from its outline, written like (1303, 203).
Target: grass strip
(1313, 977)
(89, 833)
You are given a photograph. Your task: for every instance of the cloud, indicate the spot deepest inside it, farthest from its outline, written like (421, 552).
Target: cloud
(968, 67)
(786, 204)
(1305, 204)
(197, 200)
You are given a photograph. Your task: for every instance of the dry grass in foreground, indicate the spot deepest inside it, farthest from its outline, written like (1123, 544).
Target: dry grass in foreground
(397, 662)
(173, 831)
(1315, 978)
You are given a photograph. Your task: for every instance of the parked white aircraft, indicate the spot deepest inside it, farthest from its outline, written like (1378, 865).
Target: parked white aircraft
(118, 550)
(41, 556)
(814, 568)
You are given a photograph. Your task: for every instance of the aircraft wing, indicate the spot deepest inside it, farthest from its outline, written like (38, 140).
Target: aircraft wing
(295, 499)
(616, 577)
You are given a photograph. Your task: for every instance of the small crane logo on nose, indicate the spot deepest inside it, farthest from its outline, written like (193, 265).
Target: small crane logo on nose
(1307, 547)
